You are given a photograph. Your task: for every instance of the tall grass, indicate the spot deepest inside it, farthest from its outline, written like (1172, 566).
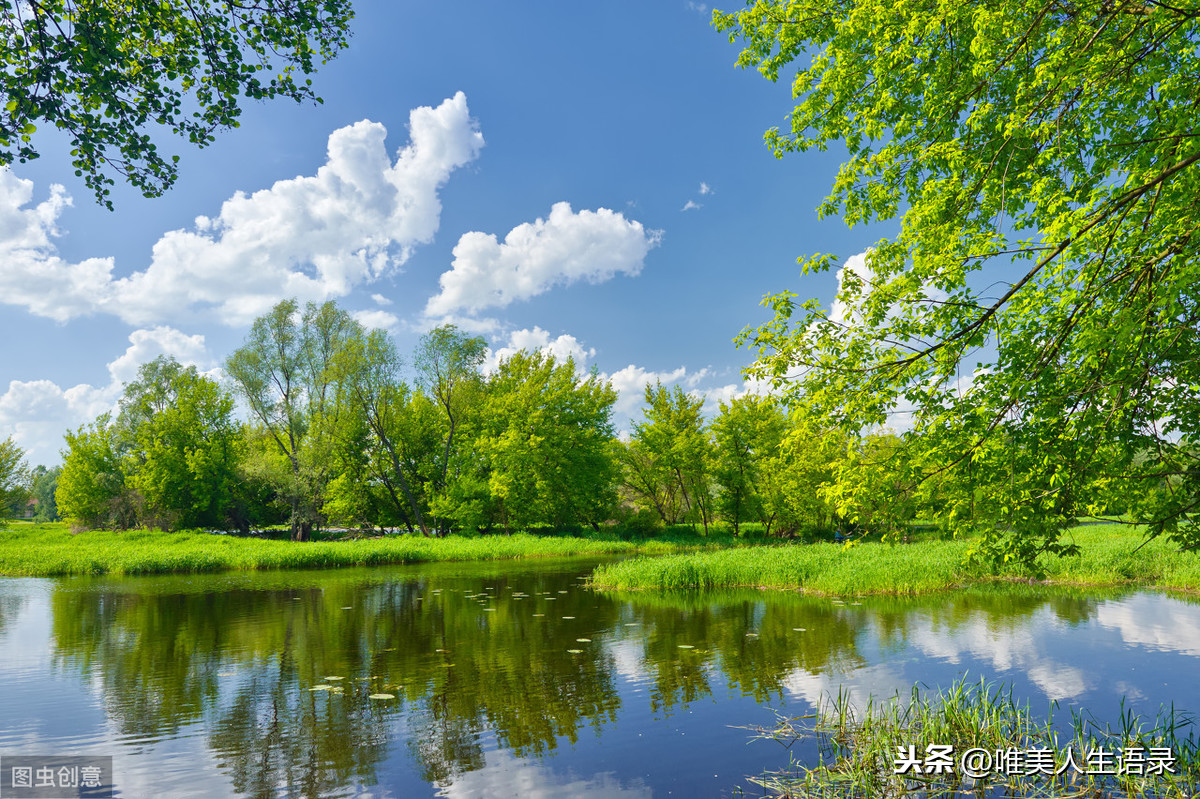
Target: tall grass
(859, 752)
(1112, 555)
(52, 550)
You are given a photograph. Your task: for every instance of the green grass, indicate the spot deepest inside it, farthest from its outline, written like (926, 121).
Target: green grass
(857, 749)
(52, 549)
(1110, 557)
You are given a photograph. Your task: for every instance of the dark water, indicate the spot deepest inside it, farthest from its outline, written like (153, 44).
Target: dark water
(202, 686)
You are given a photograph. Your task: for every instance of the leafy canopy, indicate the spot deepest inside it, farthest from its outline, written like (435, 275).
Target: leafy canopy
(1043, 159)
(103, 71)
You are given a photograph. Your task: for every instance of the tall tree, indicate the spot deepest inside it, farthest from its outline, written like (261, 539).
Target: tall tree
(43, 485)
(376, 435)
(547, 436)
(183, 445)
(1045, 162)
(104, 72)
(449, 367)
(666, 462)
(13, 477)
(747, 433)
(286, 373)
(92, 489)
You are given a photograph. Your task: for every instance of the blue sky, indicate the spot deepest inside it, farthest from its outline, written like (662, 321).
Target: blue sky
(585, 177)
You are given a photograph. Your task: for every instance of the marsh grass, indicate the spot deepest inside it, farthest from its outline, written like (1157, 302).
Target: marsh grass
(52, 550)
(858, 750)
(1111, 555)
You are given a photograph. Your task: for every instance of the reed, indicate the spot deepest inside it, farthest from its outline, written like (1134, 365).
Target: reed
(870, 752)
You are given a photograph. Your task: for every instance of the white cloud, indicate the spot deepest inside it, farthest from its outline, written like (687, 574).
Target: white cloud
(37, 412)
(377, 319)
(380, 299)
(312, 237)
(538, 340)
(705, 188)
(33, 275)
(631, 383)
(562, 249)
(691, 205)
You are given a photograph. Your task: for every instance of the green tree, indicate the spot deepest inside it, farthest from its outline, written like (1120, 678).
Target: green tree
(547, 437)
(14, 477)
(376, 435)
(286, 373)
(1045, 163)
(92, 488)
(449, 367)
(43, 485)
(746, 434)
(666, 463)
(183, 445)
(104, 72)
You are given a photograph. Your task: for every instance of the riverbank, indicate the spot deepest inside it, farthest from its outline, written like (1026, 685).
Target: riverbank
(52, 550)
(1110, 556)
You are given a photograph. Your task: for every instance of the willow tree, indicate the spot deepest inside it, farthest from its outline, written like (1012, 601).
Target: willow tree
(1043, 159)
(109, 74)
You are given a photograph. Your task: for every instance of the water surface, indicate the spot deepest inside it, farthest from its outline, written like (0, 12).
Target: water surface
(518, 680)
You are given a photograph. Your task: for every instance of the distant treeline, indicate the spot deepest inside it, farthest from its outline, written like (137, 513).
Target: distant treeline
(340, 432)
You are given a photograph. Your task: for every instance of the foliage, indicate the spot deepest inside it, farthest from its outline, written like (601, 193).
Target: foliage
(449, 366)
(547, 437)
(666, 460)
(92, 488)
(1044, 162)
(103, 72)
(43, 485)
(747, 434)
(286, 373)
(13, 477)
(183, 445)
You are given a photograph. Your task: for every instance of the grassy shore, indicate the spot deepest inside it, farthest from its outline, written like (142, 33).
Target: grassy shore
(1110, 557)
(52, 550)
(976, 726)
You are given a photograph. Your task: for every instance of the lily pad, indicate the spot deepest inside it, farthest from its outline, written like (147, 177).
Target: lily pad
(575, 651)
(335, 678)
(800, 629)
(320, 688)
(686, 646)
(568, 617)
(584, 640)
(382, 696)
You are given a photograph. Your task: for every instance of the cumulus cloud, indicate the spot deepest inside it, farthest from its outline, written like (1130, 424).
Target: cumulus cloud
(564, 248)
(37, 412)
(380, 299)
(691, 205)
(376, 319)
(705, 188)
(538, 340)
(311, 237)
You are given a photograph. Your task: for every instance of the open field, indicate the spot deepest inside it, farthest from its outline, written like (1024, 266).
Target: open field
(1110, 556)
(48, 550)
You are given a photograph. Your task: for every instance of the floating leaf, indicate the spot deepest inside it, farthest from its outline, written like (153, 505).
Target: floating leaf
(800, 629)
(539, 614)
(320, 688)
(335, 678)
(575, 651)
(568, 617)
(584, 640)
(382, 696)
(686, 646)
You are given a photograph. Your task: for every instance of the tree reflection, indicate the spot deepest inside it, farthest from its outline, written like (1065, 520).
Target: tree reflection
(524, 657)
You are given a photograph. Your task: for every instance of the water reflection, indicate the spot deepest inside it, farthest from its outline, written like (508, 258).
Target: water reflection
(520, 679)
